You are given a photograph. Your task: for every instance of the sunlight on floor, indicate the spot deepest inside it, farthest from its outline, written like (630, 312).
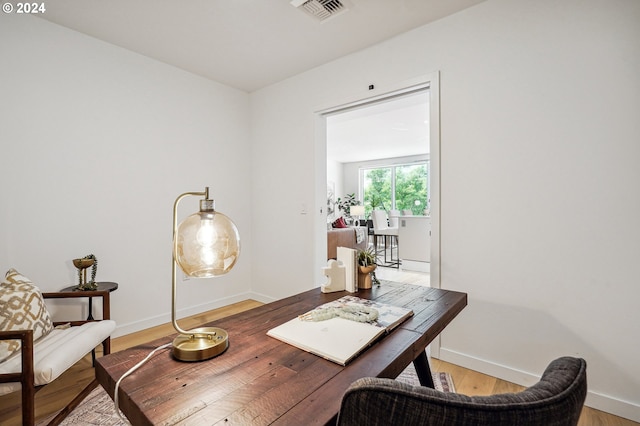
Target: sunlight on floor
(402, 276)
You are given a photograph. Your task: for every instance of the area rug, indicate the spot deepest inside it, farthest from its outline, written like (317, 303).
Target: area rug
(441, 381)
(98, 409)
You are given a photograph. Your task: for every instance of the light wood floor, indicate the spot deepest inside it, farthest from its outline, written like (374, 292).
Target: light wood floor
(56, 395)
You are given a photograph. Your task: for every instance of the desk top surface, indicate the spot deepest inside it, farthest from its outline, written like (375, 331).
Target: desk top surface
(260, 380)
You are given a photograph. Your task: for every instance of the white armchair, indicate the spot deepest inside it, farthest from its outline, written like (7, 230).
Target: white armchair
(46, 349)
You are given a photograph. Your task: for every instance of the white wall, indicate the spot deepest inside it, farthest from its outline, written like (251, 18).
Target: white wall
(96, 143)
(539, 176)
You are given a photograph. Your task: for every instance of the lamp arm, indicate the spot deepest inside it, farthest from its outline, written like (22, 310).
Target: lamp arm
(174, 264)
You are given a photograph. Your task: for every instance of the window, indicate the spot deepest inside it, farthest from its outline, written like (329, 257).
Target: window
(376, 189)
(411, 188)
(398, 187)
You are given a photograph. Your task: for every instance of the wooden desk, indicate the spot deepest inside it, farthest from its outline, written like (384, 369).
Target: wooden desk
(260, 380)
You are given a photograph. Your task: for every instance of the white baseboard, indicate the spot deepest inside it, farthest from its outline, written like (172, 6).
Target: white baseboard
(595, 400)
(611, 405)
(132, 327)
(262, 297)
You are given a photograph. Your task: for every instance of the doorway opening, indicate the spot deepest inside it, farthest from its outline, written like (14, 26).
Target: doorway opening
(398, 132)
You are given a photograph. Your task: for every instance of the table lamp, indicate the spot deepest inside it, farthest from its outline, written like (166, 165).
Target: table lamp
(356, 211)
(205, 245)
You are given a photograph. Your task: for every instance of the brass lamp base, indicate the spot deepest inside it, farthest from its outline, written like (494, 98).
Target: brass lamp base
(198, 346)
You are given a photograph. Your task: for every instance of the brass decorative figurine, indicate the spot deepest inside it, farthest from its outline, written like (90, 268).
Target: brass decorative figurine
(82, 265)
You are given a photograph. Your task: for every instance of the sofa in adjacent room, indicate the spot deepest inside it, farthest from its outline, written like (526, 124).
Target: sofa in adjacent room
(354, 237)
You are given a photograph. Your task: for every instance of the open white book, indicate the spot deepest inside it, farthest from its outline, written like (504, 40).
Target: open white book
(339, 339)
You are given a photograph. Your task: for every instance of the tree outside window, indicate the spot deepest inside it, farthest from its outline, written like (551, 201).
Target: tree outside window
(402, 187)
(376, 189)
(411, 188)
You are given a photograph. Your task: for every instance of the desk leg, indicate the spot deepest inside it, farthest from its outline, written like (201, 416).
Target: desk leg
(421, 364)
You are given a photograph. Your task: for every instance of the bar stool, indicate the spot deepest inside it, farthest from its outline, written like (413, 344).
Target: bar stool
(389, 233)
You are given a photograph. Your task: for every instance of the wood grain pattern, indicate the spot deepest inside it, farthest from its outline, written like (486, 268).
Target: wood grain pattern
(260, 380)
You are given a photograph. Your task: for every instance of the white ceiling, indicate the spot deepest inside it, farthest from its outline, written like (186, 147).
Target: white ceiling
(394, 128)
(250, 44)
(246, 44)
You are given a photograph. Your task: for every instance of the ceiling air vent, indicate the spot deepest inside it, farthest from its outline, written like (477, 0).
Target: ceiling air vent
(321, 9)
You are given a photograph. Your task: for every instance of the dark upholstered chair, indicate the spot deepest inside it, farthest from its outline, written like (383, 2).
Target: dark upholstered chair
(556, 400)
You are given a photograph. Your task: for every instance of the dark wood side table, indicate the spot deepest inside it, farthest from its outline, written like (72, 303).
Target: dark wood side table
(102, 286)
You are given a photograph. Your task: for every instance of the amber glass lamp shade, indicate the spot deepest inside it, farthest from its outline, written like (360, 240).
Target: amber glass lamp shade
(207, 243)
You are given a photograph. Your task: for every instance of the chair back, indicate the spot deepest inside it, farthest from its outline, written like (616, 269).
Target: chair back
(556, 400)
(379, 218)
(393, 218)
